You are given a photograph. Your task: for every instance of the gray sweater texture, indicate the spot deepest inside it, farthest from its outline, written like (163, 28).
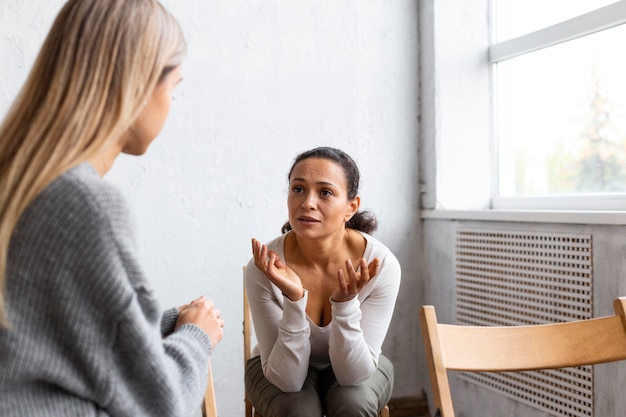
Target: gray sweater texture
(87, 336)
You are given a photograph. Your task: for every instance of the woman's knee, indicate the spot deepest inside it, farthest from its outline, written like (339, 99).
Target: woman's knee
(272, 402)
(366, 399)
(351, 402)
(292, 405)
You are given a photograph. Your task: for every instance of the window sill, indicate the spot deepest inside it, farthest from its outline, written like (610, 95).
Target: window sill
(530, 216)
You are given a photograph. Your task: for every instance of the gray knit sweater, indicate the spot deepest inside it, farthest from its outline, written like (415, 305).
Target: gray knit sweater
(87, 337)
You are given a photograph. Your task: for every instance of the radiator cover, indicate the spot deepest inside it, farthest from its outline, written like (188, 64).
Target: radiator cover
(508, 277)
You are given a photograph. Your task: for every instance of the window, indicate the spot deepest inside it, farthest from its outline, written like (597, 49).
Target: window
(559, 80)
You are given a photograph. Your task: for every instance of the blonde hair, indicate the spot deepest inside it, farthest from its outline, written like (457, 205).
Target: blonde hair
(99, 62)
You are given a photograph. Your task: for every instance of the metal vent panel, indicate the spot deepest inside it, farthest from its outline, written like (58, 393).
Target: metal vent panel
(508, 278)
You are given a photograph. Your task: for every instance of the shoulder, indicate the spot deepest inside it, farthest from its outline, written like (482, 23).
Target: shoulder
(277, 243)
(80, 198)
(76, 231)
(82, 187)
(78, 217)
(376, 249)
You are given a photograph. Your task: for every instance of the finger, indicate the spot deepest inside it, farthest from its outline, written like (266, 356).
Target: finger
(206, 302)
(201, 298)
(255, 251)
(353, 279)
(275, 259)
(373, 267)
(264, 256)
(341, 280)
(350, 267)
(365, 272)
(260, 257)
(196, 301)
(271, 264)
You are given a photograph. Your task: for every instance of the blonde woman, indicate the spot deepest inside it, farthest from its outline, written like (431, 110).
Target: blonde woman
(321, 296)
(81, 333)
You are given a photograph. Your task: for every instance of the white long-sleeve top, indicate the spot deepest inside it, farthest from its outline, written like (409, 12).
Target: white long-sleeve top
(289, 341)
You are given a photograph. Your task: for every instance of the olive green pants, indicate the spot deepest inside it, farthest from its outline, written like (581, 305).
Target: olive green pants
(321, 395)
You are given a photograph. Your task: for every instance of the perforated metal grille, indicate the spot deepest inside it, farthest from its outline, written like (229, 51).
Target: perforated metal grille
(516, 278)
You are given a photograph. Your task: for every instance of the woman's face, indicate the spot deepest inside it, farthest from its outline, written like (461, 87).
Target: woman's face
(153, 115)
(318, 198)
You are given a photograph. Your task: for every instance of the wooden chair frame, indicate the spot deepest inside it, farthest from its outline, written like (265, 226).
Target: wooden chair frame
(209, 406)
(247, 348)
(247, 329)
(517, 348)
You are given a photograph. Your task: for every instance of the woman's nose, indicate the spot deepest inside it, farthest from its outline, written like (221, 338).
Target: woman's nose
(309, 201)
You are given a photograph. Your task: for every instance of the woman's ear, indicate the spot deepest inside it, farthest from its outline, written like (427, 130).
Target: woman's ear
(353, 207)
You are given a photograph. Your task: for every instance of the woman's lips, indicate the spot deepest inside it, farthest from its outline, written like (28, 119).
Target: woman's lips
(307, 220)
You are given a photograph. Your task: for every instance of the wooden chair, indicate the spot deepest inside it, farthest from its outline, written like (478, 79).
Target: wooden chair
(247, 320)
(517, 348)
(209, 407)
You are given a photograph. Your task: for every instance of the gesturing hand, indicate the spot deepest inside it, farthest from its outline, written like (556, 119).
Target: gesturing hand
(277, 271)
(203, 313)
(351, 283)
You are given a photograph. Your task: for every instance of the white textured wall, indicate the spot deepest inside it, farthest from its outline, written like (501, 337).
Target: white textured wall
(263, 81)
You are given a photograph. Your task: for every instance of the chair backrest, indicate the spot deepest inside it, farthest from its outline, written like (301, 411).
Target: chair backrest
(209, 407)
(518, 348)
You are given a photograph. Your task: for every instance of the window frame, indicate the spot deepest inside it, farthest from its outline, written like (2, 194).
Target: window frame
(587, 24)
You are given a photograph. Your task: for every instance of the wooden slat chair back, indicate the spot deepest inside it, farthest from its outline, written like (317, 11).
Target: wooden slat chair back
(247, 322)
(209, 407)
(517, 348)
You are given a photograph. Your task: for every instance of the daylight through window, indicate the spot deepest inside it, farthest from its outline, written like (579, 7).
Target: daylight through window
(559, 97)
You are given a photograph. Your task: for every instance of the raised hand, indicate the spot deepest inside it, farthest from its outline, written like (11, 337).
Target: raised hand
(277, 271)
(351, 282)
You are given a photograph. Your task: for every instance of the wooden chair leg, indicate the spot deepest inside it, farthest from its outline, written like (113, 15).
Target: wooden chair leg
(248, 408)
(209, 408)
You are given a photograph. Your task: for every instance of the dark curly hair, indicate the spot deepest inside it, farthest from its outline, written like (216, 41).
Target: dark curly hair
(364, 221)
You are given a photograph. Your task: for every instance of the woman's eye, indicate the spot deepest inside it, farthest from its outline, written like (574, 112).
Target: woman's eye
(297, 190)
(326, 193)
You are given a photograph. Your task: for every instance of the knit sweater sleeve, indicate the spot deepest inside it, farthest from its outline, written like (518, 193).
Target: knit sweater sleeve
(168, 321)
(86, 328)
(147, 374)
(152, 377)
